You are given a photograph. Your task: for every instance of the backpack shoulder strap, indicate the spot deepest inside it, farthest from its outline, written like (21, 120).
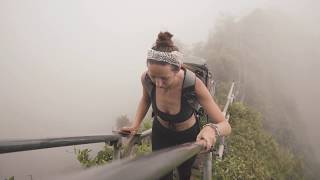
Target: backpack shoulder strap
(147, 83)
(189, 91)
(189, 80)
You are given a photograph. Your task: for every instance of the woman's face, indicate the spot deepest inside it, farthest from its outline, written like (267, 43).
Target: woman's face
(161, 75)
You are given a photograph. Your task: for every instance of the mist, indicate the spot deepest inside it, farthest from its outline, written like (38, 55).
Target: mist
(273, 55)
(72, 68)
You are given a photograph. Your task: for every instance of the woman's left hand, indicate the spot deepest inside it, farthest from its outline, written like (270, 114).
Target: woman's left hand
(207, 137)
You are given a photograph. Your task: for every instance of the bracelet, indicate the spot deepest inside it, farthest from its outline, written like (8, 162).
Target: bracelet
(215, 127)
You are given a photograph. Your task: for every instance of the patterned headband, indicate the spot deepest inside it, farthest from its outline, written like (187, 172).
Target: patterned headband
(173, 58)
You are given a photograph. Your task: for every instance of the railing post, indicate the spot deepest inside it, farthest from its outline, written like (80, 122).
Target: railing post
(116, 149)
(222, 143)
(207, 169)
(230, 99)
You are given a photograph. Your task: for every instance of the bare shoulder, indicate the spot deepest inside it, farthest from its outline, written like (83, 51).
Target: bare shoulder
(199, 86)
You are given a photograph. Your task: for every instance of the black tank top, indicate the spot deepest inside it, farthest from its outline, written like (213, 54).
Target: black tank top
(186, 110)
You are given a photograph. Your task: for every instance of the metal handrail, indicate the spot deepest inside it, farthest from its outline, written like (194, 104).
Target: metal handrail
(151, 166)
(8, 146)
(230, 99)
(155, 164)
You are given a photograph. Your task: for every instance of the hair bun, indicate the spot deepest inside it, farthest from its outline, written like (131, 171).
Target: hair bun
(164, 36)
(164, 39)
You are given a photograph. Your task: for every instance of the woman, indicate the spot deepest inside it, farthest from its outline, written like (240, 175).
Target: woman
(174, 121)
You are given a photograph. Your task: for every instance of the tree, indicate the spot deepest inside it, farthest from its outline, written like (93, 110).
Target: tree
(122, 121)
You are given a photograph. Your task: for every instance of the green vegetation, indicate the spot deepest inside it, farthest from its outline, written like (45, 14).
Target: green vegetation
(257, 52)
(146, 124)
(252, 152)
(102, 157)
(105, 155)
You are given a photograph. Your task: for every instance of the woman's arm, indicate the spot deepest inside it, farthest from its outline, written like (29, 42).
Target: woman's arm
(143, 107)
(206, 101)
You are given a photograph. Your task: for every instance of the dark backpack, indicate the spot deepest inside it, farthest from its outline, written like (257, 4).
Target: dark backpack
(203, 73)
(193, 70)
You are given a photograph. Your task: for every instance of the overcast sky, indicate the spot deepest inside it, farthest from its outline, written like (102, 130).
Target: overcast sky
(71, 67)
(74, 66)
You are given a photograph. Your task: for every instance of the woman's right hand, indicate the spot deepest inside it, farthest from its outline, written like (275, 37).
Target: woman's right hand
(129, 130)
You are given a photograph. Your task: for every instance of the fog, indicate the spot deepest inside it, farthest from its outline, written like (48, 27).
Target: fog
(275, 56)
(71, 68)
